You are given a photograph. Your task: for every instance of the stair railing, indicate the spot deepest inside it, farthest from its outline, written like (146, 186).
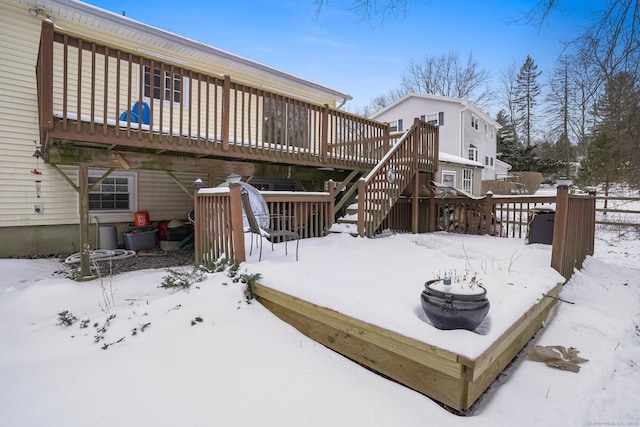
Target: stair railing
(416, 151)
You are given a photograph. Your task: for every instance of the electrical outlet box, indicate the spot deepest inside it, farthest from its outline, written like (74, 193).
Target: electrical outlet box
(38, 208)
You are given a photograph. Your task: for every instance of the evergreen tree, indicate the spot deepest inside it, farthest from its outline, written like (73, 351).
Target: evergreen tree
(604, 163)
(527, 90)
(612, 155)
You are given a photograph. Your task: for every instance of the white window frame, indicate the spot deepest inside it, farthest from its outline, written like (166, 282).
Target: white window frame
(474, 121)
(395, 125)
(473, 154)
(467, 180)
(488, 161)
(436, 119)
(183, 91)
(448, 178)
(132, 189)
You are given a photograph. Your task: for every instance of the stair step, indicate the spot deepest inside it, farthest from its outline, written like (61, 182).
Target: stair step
(344, 228)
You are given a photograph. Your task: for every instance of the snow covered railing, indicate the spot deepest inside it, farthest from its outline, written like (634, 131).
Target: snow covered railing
(219, 219)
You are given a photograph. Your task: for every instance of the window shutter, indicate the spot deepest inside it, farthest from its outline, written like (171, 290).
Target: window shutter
(441, 118)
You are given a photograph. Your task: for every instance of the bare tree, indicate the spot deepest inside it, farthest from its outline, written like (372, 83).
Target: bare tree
(508, 80)
(558, 111)
(448, 75)
(612, 42)
(374, 11)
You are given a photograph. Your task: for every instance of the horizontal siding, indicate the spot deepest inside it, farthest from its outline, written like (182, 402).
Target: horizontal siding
(19, 38)
(162, 197)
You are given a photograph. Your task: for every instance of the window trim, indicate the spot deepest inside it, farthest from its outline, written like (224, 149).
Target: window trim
(436, 119)
(467, 182)
(474, 150)
(395, 125)
(488, 161)
(474, 121)
(450, 173)
(132, 183)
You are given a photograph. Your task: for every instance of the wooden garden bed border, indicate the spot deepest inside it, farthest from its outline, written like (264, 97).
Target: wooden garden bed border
(451, 379)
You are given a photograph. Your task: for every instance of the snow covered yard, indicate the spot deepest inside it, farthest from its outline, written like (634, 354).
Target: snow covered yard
(207, 357)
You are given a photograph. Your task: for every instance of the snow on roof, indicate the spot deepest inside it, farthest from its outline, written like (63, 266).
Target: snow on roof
(451, 158)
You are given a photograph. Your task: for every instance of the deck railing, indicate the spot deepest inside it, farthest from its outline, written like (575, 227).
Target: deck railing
(510, 216)
(219, 229)
(85, 90)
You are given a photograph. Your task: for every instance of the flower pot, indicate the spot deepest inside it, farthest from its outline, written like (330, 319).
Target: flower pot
(451, 310)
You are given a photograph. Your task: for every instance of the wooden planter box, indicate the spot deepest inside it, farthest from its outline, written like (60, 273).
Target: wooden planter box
(451, 379)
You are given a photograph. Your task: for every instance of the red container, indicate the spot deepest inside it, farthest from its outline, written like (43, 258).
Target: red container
(140, 219)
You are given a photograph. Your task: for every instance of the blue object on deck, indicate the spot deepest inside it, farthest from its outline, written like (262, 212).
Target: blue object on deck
(135, 110)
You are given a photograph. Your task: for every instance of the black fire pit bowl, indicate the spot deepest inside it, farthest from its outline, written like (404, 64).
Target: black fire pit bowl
(448, 310)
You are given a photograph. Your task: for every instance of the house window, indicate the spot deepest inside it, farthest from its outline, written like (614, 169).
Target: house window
(449, 178)
(467, 180)
(163, 87)
(395, 126)
(285, 124)
(486, 129)
(474, 121)
(473, 153)
(436, 119)
(488, 161)
(115, 193)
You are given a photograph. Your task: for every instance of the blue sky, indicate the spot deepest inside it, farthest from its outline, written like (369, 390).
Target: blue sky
(339, 50)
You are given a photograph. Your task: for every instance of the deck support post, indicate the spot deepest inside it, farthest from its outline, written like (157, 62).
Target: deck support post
(415, 203)
(561, 218)
(85, 247)
(44, 76)
(362, 186)
(488, 213)
(237, 229)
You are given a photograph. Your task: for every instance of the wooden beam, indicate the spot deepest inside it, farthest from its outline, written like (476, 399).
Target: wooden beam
(121, 160)
(62, 154)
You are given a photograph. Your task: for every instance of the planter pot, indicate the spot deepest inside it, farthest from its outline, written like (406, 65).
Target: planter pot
(451, 310)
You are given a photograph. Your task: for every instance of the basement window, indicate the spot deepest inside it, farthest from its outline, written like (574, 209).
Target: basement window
(116, 193)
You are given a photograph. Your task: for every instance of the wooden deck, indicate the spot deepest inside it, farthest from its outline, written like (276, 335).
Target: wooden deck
(449, 378)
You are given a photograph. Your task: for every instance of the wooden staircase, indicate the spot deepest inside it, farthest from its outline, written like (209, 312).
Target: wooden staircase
(378, 191)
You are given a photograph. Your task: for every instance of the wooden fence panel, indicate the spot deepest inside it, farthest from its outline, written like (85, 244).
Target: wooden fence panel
(573, 232)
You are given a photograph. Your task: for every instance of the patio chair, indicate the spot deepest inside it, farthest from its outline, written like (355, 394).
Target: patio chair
(271, 234)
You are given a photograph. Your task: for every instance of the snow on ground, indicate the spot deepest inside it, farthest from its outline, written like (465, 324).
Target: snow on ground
(242, 366)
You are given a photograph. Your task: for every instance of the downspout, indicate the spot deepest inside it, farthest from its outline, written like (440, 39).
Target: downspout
(344, 101)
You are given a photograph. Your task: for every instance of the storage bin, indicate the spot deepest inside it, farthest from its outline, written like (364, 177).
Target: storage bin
(140, 241)
(176, 234)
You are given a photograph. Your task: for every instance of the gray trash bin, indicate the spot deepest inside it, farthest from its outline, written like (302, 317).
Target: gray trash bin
(541, 226)
(108, 237)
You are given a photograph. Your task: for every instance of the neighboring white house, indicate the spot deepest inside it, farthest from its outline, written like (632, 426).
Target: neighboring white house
(468, 137)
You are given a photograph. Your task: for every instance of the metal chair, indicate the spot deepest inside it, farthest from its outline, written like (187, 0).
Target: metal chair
(269, 233)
